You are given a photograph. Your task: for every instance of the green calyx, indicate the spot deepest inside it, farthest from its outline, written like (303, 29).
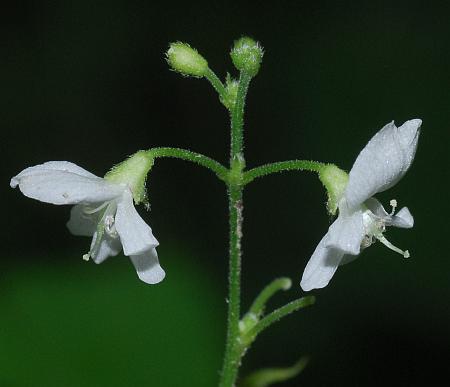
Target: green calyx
(133, 172)
(247, 55)
(335, 181)
(186, 60)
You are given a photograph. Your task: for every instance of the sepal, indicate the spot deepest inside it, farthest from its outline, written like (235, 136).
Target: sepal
(133, 173)
(335, 181)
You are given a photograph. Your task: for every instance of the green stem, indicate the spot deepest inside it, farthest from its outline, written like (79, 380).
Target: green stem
(233, 348)
(215, 82)
(277, 315)
(194, 157)
(267, 376)
(290, 165)
(258, 305)
(237, 118)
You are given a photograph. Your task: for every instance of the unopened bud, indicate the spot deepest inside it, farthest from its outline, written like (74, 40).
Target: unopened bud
(228, 98)
(186, 60)
(247, 55)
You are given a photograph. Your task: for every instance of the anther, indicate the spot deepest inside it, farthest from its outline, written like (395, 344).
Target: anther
(389, 245)
(86, 256)
(393, 204)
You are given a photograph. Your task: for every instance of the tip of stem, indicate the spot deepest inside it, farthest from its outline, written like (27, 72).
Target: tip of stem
(286, 283)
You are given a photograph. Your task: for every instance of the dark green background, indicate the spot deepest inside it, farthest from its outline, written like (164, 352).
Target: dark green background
(87, 82)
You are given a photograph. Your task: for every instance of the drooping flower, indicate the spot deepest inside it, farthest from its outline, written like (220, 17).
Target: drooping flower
(362, 219)
(103, 208)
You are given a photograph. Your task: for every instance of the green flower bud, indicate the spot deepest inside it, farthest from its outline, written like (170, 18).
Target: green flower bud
(335, 181)
(133, 172)
(186, 60)
(228, 98)
(247, 55)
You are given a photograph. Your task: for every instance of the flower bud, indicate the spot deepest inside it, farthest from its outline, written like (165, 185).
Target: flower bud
(186, 60)
(335, 181)
(247, 55)
(133, 172)
(228, 98)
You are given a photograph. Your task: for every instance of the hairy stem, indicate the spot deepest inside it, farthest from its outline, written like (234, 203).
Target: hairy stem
(183, 154)
(281, 166)
(233, 348)
(237, 118)
(278, 314)
(215, 82)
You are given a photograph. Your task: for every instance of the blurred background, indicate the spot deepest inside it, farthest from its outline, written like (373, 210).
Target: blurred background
(87, 82)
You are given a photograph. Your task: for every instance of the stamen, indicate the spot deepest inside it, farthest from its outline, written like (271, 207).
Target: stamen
(109, 226)
(393, 204)
(94, 210)
(86, 256)
(389, 245)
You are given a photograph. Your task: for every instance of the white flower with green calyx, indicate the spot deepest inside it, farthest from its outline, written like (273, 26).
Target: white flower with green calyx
(362, 219)
(103, 208)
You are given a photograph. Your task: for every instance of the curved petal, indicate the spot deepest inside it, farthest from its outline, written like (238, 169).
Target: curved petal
(63, 166)
(81, 222)
(107, 247)
(347, 233)
(375, 206)
(321, 266)
(63, 187)
(147, 267)
(403, 219)
(135, 234)
(383, 161)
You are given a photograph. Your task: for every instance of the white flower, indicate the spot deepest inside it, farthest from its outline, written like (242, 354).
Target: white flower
(362, 219)
(103, 209)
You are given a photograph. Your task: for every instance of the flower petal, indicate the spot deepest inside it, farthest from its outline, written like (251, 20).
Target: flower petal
(63, 187)
(375, 206)
(383, 161)
(347, 232)
(321, 266)
(403, 219)
(107, 247)
(147, 267)
(63, 166)
(81, 222)
(135, 234)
